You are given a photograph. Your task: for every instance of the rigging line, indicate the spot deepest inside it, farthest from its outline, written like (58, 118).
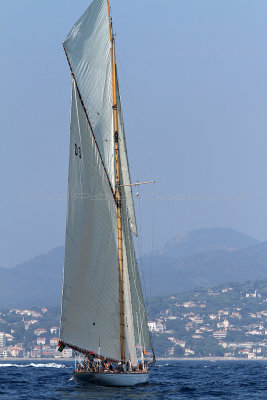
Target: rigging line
(142, 270)
(129, 94)
(141, 252)
(128, 99)
(152, 241)
(139, 305)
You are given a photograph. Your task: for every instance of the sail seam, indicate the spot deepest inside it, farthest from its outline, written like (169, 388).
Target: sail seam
(90, 125)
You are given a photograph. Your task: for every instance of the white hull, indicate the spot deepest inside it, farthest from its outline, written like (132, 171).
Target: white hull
(112, 379)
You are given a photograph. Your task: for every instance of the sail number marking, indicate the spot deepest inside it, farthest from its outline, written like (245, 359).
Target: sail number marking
(78, 151)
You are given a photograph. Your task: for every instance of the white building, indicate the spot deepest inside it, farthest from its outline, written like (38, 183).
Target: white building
(36, 352)
(189, 352)
(180, 343)
(156, 326)
(54, 330)
(6, 353)
(219, 334)
(39, 331)
(41, 340)
(54, 341)
(2, 339)
(152, 326)
(16, 351)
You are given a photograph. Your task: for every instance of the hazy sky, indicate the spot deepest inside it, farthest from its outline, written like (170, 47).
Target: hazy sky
(193, 78)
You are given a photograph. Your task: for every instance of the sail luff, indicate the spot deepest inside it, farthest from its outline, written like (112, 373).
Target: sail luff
(88, 120)
(138, 309)
(142, 334)
(118, 200)
(125, 172)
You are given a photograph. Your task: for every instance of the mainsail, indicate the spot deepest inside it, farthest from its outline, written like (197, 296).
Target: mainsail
(90, 304)
(88, 50)
(91, 317)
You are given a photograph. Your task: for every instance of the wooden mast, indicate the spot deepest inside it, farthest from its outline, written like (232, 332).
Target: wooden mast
(117, 190)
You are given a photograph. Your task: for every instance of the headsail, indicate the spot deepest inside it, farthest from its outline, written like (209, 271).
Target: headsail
(137, 310)
(90, 303)
(124, 165)
(136, 327)
(88, 50)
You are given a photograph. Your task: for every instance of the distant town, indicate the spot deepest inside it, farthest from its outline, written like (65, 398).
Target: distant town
(29, 333)
(226, 321)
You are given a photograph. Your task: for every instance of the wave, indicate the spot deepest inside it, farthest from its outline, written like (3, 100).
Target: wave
(48, 365)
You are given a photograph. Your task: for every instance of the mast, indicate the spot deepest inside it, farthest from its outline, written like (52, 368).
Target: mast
(117, 190)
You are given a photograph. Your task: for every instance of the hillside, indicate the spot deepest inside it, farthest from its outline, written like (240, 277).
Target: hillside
(201, 257)
(206, 269)
(34, 282)
(227, 320)
(203, 240)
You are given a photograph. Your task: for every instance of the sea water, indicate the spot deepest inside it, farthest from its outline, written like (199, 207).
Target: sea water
(24, 380)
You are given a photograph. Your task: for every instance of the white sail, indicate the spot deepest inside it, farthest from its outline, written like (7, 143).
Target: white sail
(130, 339)
(90, 304)
(124, 165)
(138, 309)
(88, 51)
(136, 328)
(90, 314)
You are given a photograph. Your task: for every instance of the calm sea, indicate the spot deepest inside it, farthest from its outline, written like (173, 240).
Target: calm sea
(172, 380)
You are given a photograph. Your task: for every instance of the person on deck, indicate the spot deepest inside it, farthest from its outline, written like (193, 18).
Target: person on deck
(120, 367)
(91, 356)
(141, 366)
(85, 365)
(92, 362)
(129, 366)
(104, 363)
(97, 364)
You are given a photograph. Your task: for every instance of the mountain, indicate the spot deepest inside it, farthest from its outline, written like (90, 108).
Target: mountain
(200, 257)
(35, 282)
(194, 258)
(204, 240)
(207, 269)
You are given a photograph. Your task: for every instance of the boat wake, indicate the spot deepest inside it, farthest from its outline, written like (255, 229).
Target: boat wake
(49, 365)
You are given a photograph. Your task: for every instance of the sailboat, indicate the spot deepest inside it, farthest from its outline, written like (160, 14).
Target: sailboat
(103, 310)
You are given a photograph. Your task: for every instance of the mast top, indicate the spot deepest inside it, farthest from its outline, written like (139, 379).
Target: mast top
(110, 22)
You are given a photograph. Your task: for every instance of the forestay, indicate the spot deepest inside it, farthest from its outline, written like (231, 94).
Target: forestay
(88, 51)
(90, 304)
(130, 339)
(135, 312)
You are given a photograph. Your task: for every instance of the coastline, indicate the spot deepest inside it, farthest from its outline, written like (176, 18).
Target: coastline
(212, 359)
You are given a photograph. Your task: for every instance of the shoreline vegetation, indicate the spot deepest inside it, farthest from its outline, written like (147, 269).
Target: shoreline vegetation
(55, 359)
